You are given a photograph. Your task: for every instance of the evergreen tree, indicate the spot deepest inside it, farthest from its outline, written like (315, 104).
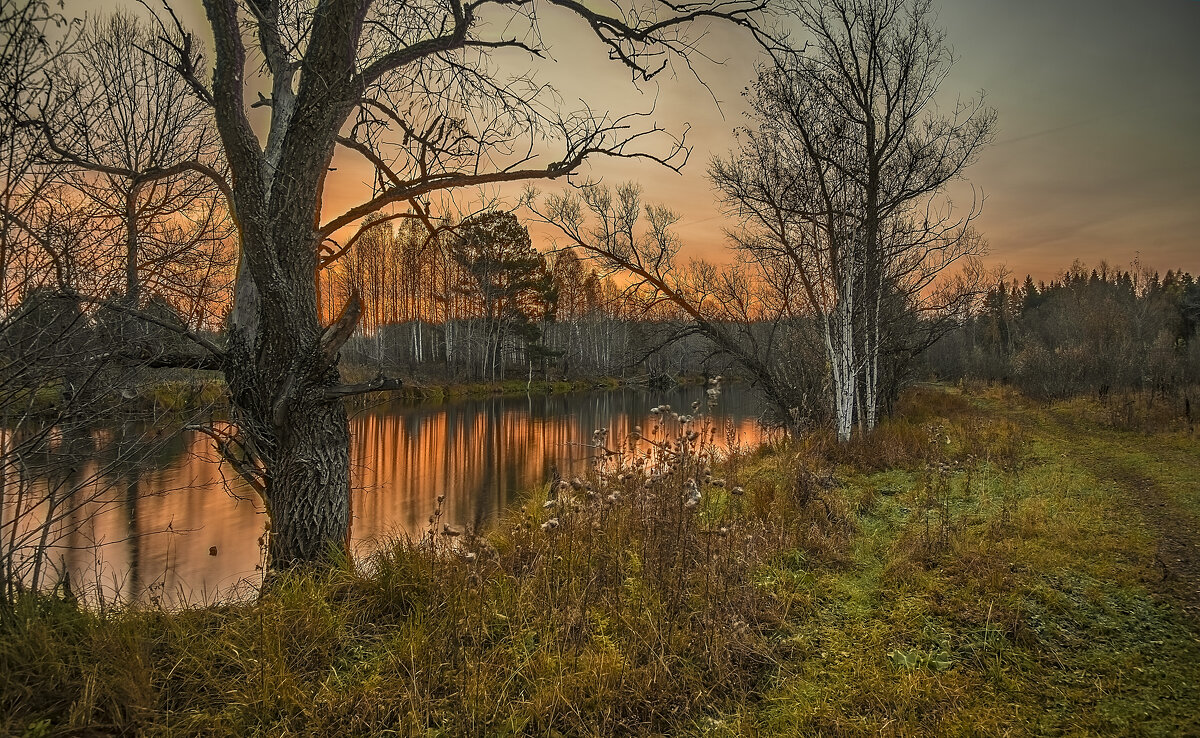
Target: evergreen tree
(506, 279)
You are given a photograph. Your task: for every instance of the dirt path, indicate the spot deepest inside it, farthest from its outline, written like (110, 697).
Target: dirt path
(1178, 555)
(1177, 559)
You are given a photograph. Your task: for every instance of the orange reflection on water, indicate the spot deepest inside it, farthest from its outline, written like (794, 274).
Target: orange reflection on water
(181, 527)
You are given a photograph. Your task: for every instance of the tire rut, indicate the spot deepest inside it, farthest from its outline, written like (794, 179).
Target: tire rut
(1177, 558)
(1178, 555)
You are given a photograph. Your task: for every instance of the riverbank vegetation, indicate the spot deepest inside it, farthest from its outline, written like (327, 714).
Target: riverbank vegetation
(981, 564)
(947, 559)
(177, 394)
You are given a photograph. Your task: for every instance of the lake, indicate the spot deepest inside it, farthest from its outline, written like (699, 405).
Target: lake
(179, 526)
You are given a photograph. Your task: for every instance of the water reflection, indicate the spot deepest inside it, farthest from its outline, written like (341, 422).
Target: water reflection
(182, 527)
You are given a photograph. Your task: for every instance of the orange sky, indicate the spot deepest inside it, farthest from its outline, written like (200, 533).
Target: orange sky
(1096, 158)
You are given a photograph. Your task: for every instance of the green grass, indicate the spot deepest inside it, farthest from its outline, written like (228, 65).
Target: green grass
(183, 395)
(976, 567)
(1032, 618)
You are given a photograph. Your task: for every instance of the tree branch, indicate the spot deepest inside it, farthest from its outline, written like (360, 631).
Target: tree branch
(338, 332)
(245, 469)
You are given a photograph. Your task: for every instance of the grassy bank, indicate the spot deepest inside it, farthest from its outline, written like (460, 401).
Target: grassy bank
(181, 391)
(432, 390)
(979, 566)
(176, 395)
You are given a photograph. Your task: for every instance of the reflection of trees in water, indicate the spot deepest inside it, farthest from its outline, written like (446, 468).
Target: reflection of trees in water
(482, 454)
(58, 478)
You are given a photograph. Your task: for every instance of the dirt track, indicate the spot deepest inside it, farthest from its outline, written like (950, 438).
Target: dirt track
(1176, 574)
(1178, 555)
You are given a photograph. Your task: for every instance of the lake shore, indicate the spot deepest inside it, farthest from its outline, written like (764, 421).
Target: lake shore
(173, 392)
(981, 564)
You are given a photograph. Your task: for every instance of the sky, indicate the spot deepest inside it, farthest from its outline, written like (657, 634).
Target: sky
(1096, 156)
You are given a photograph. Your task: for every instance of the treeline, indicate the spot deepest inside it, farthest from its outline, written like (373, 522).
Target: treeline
(476, 300)
(1088, 331)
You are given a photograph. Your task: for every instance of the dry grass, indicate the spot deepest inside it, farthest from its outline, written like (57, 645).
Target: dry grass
(957, 572)
(622, 604)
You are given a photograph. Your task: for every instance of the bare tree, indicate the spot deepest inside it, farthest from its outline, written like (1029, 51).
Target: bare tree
(52, 478)
(734, 311)
(412, 88)
(121, 174)
(120, 123)
(27, 52)
(836, 183)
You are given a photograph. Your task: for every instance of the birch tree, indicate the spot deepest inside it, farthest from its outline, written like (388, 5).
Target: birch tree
(841, 177)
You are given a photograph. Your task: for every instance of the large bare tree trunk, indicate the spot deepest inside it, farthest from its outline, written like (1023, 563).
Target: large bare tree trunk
(301, 439)
(309, 490)
(279, 375)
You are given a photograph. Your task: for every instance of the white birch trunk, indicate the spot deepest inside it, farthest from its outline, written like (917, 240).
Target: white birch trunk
(845, 375)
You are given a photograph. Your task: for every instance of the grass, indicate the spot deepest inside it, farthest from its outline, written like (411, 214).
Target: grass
(426, 389)
(176, 396)
(975, 567)
(171, 395)
(185, 391)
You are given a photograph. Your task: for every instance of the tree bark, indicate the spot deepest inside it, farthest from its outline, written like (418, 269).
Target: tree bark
(299, 435)
(845, 375)
(309, 490)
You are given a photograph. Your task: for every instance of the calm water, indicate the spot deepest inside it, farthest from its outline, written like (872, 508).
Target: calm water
(181, 526)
